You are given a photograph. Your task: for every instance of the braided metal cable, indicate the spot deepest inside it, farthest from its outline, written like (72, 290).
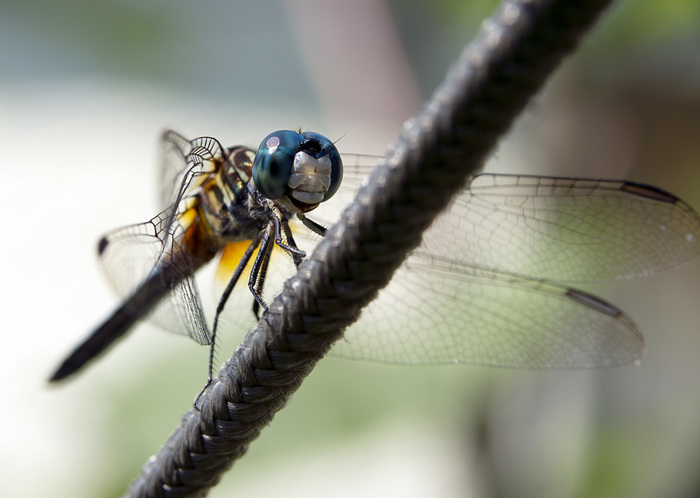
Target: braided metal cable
(437, 150)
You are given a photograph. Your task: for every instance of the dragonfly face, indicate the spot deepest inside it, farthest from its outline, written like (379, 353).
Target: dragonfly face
(482, 288)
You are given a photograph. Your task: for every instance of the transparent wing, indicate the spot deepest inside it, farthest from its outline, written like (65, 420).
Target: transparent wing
(181, 310)
(475, 289)
(437, 311)
(129, 255)
(183, 163)
(565, 229)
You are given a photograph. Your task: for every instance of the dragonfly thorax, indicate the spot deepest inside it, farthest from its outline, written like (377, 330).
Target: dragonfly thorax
(228, 203)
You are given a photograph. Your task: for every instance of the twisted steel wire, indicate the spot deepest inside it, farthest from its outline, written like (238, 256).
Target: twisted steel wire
(486, 88)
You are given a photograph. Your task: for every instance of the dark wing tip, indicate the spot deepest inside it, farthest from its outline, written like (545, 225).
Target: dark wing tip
(593, 302)
(649, 191)
(102, 245)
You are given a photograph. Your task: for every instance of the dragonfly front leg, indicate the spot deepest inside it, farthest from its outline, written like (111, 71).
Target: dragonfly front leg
(259, 270)
(312, 225)
(297, 255)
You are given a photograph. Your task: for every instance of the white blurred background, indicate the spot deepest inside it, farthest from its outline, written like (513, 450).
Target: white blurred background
(85, 89)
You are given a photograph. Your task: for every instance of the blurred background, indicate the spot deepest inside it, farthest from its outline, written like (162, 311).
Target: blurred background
(87, 86)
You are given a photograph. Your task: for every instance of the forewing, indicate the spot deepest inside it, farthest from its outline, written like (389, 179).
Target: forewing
(183, 163)
(565, 229)
(129, 254)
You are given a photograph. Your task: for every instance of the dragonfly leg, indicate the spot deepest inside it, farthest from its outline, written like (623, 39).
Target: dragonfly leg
(289, 244)
(259, 282)
(312, 225)
(258, 274)
(259, 270)
(296, 256)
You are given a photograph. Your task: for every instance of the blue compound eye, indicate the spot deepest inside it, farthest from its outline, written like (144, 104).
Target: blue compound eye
(273, 162)
(327, 148)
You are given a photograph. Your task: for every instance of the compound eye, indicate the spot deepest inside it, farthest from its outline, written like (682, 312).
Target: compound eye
(328, 149)
(273, 162)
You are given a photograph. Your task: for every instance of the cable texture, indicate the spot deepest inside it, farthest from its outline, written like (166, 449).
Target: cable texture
(438, 149)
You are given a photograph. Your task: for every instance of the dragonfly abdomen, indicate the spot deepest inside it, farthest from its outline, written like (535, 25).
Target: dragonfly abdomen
(121, 321)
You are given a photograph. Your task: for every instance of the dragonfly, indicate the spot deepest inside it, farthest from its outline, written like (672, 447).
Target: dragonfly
(489, 284)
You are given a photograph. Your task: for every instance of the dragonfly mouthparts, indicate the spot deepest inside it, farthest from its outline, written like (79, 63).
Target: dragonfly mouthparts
(310, 178)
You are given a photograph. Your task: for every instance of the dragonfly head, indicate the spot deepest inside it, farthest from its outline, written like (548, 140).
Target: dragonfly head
(299, 169)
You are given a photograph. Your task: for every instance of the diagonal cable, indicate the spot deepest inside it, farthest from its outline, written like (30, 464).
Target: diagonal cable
(449, 139)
